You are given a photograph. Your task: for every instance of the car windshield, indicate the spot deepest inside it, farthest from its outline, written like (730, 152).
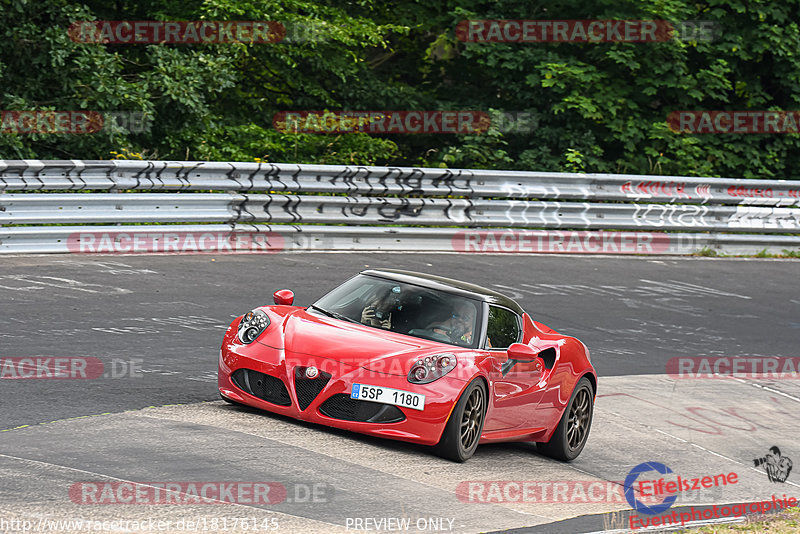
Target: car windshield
(405, 308)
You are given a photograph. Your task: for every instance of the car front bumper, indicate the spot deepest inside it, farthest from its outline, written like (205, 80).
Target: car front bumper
(418, 426)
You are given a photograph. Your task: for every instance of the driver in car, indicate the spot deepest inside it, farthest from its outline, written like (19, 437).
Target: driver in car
(460, 325)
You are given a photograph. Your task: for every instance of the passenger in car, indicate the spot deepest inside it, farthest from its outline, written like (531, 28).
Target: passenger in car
(379, 312)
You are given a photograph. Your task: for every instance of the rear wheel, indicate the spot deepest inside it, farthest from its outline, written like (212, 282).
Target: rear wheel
(463, 431)
(572, 431)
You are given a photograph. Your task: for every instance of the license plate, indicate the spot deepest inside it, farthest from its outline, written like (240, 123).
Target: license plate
(397, 397)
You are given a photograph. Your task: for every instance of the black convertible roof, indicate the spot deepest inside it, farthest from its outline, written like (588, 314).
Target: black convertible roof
(448, 285)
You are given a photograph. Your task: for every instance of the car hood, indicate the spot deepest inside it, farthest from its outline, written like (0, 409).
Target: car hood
(300, 333)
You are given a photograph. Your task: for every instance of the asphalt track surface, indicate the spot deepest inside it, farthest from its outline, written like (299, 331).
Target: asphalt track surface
(156, 323)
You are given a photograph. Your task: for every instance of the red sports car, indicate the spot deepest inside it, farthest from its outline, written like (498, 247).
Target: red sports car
(414, 357)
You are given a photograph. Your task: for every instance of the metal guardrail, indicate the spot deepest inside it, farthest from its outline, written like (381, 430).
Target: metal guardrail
(236, 208)
(116, 175)
(574, 208)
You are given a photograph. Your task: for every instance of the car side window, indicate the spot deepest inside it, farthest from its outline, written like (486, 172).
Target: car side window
(503, 328)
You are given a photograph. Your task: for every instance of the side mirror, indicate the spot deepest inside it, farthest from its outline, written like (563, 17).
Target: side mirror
(519, 352)
(522, 352)
(283, 297)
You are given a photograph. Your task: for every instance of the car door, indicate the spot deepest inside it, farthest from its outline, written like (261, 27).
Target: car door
(516, 388)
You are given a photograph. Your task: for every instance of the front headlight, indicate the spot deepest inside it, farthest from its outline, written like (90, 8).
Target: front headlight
(426, 370)
(251, 326)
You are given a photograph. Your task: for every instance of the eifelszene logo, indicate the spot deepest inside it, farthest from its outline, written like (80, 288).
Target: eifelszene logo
(631, 496)
(777, 467)
(669, 489)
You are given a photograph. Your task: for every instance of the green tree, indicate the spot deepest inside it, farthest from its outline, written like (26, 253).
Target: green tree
(592, 107)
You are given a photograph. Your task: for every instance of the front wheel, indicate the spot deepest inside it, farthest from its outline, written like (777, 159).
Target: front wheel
(463, 431)
(570, 436)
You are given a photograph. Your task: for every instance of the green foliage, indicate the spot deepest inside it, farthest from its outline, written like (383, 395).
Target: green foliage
(707, 252)
(596, 107)
(574, 161)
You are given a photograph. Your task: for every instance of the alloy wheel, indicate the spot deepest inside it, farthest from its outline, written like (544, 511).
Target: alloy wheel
(472, 419)
(578, 421)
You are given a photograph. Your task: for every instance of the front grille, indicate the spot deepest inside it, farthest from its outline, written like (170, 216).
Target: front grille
(341, 406)
(307, 389)
(265, 387)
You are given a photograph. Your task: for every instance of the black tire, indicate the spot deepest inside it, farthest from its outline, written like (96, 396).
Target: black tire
(572, 431)
(463, 431)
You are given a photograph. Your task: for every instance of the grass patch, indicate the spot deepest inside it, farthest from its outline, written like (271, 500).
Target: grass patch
(763, 254)
(785, 254)
(707, 252)
(784, 522)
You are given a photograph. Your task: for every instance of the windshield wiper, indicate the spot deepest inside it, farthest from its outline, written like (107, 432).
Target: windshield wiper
(334, 314)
